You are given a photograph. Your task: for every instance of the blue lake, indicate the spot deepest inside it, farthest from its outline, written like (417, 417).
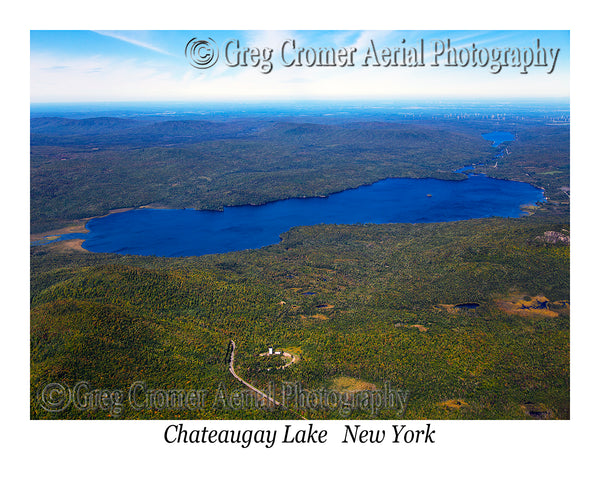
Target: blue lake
(498, 138)
(187, 232)
(174, 233)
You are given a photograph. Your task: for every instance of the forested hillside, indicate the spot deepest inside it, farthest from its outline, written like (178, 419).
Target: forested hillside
(470, 317)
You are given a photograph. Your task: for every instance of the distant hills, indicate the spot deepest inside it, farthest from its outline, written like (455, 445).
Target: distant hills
(108, 131)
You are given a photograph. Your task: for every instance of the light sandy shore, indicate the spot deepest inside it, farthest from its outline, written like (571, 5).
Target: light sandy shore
(65, 246)
(77, 227)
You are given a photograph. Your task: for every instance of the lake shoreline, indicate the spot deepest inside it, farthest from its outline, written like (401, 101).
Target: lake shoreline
(79, 226)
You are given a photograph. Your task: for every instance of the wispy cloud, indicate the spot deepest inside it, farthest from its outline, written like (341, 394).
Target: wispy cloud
(107, 74)
(129, 38)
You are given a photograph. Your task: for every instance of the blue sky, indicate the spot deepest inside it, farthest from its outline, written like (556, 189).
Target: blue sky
(91, 66)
